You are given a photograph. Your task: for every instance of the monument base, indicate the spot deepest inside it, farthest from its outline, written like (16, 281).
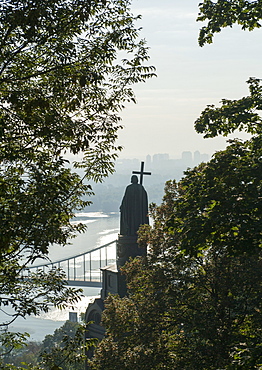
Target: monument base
(113, 282)
(93, 314)
(126, 247)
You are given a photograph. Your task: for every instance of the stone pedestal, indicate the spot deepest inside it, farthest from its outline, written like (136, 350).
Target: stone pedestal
(113, 282)
(126, 247)
(93, 314)
(95, 330)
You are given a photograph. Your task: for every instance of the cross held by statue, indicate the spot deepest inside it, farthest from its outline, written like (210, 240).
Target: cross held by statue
(141, 172)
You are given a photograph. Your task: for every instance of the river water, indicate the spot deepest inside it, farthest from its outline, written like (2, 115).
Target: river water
(102, 228)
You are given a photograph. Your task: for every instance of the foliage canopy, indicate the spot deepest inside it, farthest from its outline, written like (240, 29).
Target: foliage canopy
(225, 13)
(62, 86)
(194, 302)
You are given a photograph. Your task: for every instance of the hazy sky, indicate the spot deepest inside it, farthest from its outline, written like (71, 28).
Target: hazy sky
(189, 78)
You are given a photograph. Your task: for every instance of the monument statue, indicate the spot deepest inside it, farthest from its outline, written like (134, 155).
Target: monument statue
(134, 212)
(134, 208)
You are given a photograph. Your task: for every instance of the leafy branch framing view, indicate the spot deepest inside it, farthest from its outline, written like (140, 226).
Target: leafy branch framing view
(62, 87)
(194, 302)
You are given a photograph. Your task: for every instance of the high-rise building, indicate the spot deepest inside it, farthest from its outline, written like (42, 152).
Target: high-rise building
(148, 161)
(197, 157)
(187, 158)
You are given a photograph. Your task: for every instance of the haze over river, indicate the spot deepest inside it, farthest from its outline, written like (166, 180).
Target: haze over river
(102, 228)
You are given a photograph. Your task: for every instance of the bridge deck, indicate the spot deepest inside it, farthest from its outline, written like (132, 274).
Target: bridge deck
(83, 269)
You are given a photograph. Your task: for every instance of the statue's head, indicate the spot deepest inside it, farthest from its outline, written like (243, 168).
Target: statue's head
(134, 179)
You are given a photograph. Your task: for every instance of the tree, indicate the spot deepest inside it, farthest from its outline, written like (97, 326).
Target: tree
(29, 354)
(226, 13)
(223, 207)
(195, 301)
(243, 114)
(66, 348)
(188, 307)
(62, 86)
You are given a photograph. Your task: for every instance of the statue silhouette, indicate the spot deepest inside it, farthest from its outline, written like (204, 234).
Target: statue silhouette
(134, 208)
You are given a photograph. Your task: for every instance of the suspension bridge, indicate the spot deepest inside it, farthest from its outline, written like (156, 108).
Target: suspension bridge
(83, 269)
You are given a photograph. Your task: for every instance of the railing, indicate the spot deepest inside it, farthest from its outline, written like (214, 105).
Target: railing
(83, 269)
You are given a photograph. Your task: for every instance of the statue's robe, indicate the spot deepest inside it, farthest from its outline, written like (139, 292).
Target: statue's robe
(134, 210)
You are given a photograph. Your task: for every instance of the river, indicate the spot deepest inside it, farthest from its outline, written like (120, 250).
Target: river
(101, 229)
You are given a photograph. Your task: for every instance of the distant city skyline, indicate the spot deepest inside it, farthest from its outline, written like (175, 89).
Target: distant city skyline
(162, 162)
(163, 168)
(186, 156)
